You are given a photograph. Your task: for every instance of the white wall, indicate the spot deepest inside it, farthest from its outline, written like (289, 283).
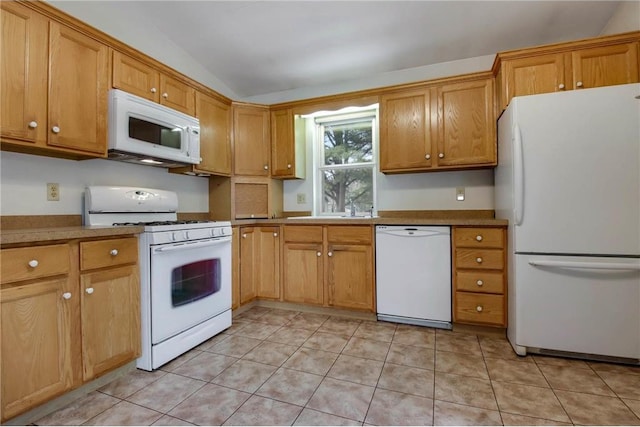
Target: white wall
(24, 179)
(625, 18)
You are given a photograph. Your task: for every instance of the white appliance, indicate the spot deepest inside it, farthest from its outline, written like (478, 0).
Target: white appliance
(568, 181)
(185, 269)
(145, 132)
(413, 275)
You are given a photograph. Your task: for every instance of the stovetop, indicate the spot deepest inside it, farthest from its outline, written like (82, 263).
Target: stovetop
(153, 223)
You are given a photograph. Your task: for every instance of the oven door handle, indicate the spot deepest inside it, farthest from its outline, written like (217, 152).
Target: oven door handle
(191, 245)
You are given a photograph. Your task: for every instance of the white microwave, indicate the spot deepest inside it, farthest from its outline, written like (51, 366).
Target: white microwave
(144, 132)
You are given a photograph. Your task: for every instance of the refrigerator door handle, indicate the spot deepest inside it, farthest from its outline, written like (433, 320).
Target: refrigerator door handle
(586, 265)
(518, 174)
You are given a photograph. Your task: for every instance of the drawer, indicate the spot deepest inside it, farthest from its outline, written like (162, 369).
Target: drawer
(479, 308)
(33, 262)
(478, 237)
(349, 234)
(479, 281)
(492, 259)
(108, 253)
(303, 233)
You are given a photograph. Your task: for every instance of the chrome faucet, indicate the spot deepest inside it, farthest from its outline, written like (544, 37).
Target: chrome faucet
(353, 208)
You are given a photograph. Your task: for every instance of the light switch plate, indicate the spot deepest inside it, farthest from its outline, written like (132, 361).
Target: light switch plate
(301, 198)
(460, 194)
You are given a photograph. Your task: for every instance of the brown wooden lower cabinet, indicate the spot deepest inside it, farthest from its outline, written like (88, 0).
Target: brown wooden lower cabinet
(259, 263)
(329, 265)
(479, 275)
(62, 326)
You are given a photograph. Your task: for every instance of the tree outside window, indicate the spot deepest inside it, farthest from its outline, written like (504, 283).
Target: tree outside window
(347, 163)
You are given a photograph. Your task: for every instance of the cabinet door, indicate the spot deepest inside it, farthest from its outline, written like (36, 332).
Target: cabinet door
(268, 263)
(251, 140)
(605, 66)
(36, 344)
(79, 82)
(110, 306)
(135, 77)
(215, 131)
(466, 125)
(302, 273)
(248, 250)
(350, 276)
(23, 79)
(177, 95)
(405, 131)
(282, 144)
(537, 74)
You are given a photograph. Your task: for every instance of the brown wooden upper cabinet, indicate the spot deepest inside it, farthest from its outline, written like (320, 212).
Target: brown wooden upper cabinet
(287, 146)
(54, 86)
(215, 134)
(466, 124)
(251, 145)
(603, 61)
(440, 126)
(405, 130)
(138, 78)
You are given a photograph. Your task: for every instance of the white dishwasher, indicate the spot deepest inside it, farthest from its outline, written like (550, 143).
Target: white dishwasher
(413, 275)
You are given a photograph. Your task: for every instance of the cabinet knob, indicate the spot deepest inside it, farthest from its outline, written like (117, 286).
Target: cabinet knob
(275, 234)
(113, 252)
(579, 84)
(55, 129)
(289, 166)
(33, 263)
(479, 238)
(33, 124)
(244, 235)
(441, 155)
(329, 253)
(479, 260)
(427, 156)
(318, 253)
(479, 308)
(479, 283)
(165, 95)
(89, 290)
(154, 90)
(66, 295)
(266, 167)
(561, 86)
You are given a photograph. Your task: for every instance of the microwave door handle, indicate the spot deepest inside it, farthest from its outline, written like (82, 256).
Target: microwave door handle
(178, 247)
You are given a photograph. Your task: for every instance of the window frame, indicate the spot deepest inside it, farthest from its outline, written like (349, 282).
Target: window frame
(344, 116)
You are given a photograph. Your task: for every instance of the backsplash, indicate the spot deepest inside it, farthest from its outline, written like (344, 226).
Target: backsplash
(24, 178)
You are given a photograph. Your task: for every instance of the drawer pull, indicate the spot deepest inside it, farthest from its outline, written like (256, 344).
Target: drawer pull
(33, 263)
(330, 253)
(479, 238)
(244, 235)
(275, 234)
(66, 295)
(165, 95)
(427, 156)
(289, 166)
(55, 129)
(318, 253)
(33, 124)
(89, 290)
(479, 260)
(113, 252)
(479, 283)
(154, 90)
(479, 309)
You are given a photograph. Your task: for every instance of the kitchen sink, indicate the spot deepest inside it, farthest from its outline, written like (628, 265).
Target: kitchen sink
(332, 217)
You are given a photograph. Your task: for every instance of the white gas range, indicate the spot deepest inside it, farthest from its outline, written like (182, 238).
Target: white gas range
(185, 269)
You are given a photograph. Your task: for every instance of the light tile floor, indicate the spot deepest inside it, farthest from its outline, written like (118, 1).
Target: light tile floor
(278, 367)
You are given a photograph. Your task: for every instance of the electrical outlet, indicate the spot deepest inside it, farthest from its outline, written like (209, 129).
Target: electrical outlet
(53, 191)
(301, 198)
(460, 194)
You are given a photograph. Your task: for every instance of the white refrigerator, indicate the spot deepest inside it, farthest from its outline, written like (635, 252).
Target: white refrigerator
(568, 181)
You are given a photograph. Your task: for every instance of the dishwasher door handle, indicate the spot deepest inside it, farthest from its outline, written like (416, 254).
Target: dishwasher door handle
(412, 232)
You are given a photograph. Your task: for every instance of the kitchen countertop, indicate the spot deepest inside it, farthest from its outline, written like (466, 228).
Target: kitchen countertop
(31, 235)
(479, 222)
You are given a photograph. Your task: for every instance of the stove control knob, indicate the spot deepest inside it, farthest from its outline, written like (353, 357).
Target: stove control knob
(212, 232)
(186, 235)
(174, 236)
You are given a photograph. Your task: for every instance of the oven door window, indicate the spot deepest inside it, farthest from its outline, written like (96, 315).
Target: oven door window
(153, 133)
(195, 281)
